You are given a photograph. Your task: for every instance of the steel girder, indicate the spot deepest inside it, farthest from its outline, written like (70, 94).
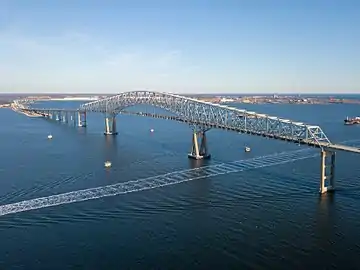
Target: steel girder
(213, 115)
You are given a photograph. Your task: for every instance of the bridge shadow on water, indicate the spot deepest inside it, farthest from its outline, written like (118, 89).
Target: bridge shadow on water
(199, 193)
(324, 227)
(111, 143)
(110, 147)
(195, 164)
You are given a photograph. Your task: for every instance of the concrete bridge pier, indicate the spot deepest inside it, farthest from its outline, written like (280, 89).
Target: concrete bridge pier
(64, 117)
(57, 116)
(110, 125)
(73, 118)
(327, 171)
(196, 151)
(67, 117)
(81, 119)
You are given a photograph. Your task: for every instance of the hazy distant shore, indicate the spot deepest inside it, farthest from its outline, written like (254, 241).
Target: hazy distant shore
(7, 99)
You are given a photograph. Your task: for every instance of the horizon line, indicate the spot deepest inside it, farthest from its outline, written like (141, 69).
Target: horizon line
(179, 93)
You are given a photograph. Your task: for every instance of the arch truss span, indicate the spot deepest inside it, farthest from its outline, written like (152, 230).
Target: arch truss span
(214, 116)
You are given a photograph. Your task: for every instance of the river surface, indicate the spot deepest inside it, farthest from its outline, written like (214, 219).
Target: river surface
(267, 218)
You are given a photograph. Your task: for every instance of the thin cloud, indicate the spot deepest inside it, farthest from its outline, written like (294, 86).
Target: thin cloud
(125, 59)
(169, 58)
(76, 58)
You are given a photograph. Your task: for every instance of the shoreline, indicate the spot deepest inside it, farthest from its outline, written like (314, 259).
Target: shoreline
(19, 110)
(22, 110)
(227, 100)
(278, 100)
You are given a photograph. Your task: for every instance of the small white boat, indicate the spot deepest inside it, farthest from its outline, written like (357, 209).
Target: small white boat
(247, 149)
(107, 164)
(49, 136)
(151, 130)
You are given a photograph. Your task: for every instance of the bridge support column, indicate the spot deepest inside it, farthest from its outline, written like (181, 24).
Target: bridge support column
(327, 171)
(81, 119)
(110, 125)
(73, 118)
(196, 151)
(64, 117)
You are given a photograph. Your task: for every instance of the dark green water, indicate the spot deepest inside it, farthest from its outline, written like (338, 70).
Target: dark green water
(270, 218)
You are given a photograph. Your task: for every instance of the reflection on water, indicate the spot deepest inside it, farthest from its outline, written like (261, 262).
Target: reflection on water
(197, 163)
(256, 219)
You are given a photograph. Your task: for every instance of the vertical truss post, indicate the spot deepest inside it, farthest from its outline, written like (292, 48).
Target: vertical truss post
(327, 171)
(196, 151)
(110, 125)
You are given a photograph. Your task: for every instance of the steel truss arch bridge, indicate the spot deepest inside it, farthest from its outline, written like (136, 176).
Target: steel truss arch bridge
(212, 115)
(203, 116)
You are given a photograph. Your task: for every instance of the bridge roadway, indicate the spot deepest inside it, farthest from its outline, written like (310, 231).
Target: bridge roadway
(329, 146)
(202, 116)
(340, 147)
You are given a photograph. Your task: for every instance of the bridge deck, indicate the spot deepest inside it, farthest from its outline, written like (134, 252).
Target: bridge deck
(51, 109)
(341, 147)
(324, 145)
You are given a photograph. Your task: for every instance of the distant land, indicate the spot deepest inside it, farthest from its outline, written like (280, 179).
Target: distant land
(251, 98)
(242, 94)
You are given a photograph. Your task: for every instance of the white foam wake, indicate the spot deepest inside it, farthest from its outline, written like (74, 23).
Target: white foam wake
(156, 181)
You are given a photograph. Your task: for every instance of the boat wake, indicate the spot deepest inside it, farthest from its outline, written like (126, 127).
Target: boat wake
(160, 180)
(157, 181)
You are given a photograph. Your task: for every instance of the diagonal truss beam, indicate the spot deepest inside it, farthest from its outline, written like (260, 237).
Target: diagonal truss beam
(206, 114)
(213, 115)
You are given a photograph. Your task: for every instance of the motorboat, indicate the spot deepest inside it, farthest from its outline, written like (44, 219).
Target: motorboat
(107, 164)
(247, 149)
(49, 136)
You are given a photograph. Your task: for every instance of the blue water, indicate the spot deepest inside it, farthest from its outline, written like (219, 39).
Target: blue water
(267, 218)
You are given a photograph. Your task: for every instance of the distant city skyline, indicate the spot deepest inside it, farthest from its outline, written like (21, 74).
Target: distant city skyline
(229, 47)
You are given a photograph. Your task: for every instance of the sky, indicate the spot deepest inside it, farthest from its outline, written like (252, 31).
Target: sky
(187, 46)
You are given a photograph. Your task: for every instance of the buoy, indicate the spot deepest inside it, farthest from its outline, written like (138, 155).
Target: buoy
(50, 137)
(152, 130)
